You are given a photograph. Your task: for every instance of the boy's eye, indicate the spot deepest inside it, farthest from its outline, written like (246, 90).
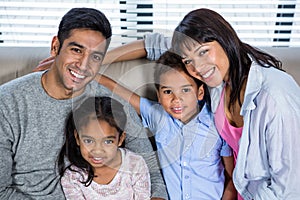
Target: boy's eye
(167, 91)
(186, 90)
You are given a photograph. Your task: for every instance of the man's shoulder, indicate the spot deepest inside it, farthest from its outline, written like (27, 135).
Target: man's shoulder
(99, 90)
(22, 81)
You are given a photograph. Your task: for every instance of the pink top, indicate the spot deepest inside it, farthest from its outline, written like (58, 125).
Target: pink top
(132, 182)
(228, 132)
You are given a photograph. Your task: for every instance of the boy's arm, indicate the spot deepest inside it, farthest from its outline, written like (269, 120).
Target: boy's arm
(123, 92)
(230, 192)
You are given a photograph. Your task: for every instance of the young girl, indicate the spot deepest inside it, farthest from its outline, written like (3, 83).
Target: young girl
(99, 168)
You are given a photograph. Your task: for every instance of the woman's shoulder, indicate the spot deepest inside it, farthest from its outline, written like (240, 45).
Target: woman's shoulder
(270, 79)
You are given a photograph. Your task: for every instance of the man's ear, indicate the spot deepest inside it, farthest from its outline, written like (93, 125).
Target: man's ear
(54, 46)
(201, 92)
(121, 139)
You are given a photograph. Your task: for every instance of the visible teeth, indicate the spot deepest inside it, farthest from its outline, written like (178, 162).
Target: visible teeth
(97, 158)
(177, 108)
(76, 75)
(209, 73)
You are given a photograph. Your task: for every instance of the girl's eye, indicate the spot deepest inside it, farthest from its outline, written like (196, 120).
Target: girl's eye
(87, 141)
(167, 91)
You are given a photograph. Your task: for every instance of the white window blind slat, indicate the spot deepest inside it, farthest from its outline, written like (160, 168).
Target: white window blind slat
(260, 23)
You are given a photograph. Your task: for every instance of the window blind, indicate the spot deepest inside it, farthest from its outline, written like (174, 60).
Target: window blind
(259, 23)
(34, 23)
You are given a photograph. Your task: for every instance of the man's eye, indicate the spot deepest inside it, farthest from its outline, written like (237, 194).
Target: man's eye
(76, 50)
(97, 58)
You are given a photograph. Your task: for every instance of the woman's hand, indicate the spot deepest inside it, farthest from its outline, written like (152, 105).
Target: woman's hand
(44, 64)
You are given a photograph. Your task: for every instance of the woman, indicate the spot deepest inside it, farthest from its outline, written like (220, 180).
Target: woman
(258, 113)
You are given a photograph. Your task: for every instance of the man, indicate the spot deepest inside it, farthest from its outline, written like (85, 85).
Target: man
(33, 110)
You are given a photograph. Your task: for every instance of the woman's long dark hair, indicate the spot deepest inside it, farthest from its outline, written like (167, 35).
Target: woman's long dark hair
(204, 25)
(101, 108)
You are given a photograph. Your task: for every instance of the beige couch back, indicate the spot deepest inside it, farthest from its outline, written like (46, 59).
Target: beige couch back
(137, 75)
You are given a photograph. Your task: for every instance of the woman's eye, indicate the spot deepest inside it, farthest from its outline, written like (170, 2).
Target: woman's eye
(186, 62)
(203, 52)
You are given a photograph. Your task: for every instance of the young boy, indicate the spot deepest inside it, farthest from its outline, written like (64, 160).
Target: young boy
(189, 147)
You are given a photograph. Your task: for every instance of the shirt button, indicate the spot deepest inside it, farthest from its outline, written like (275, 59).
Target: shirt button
(186, 177)
(187, 196)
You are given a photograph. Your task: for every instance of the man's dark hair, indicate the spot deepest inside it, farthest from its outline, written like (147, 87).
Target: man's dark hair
(84, 18)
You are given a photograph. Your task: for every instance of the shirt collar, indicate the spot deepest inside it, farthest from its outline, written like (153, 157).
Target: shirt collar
(254, 84)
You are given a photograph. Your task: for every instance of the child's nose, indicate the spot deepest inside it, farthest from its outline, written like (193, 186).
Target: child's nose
(177, 97)
(98, 148)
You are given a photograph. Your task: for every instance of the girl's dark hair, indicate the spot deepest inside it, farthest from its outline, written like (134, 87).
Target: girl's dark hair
(172, 61)
(84, 18)
(204, 25)
(101, 108)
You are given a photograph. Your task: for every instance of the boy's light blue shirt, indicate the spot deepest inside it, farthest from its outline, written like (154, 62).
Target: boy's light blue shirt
(189, 154)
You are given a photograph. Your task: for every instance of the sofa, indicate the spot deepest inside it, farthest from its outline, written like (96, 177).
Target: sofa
(137, 75)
